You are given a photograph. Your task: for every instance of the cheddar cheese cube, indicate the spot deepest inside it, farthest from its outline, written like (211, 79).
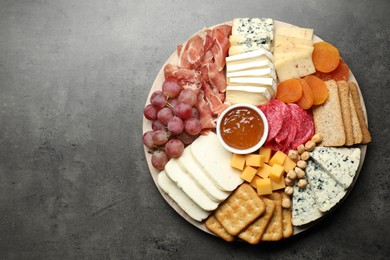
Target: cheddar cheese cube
(277, 158)
(248, 173)
(255, 160)
(254, 180)
(264, 186)
(278, 185)
(264, 171)
(277, 172)
(288, 164)
(238, 161)
(266, 152)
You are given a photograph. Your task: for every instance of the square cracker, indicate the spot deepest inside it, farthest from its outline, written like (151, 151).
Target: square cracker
(343, 90)
(253, 233)
(288, 229)
(214, 226)
(274, 230)
(239, 210)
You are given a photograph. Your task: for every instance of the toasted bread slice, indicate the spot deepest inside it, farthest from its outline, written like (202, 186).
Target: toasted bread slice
(328, 118)
(357, 131)
(359, 110)
(343, 90)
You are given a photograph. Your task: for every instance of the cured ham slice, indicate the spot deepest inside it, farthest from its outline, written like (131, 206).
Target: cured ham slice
(214, 101)
(216, 78)
(220, 48)
(205, 117)
(181, 74)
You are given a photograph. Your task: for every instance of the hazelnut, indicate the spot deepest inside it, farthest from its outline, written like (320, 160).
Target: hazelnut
(300, 173)
(286, 203)
(301, 148)
(292, 175)
(305, 156)
(289, 190)
(302, 183)
(310, 145)
(302, 164)
(288, 181)
(317, 138)
(293, 154)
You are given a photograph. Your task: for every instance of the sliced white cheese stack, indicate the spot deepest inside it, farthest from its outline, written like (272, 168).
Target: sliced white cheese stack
(327, 191)
(251, 78)
(339, 162)
(184, 202)
(293, 48)
(250, 34)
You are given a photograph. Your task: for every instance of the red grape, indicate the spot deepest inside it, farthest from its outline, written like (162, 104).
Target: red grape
(187, 96)
(171, 88)
(174, 148)
(158, 99)
(186, 138)
(182, 110)
(147, 139)
(160, 137)
(164, 115)
(150, 112)
(192, 126)
(172, 102)
(175, 125)
(195, 113)
(159, 159)
(157, 125)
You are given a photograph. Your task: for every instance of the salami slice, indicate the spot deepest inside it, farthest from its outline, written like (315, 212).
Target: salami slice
(285, 130)
(273, 113)
(305, 125)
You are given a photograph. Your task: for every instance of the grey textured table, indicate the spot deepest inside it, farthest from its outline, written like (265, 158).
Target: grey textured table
(74, 77)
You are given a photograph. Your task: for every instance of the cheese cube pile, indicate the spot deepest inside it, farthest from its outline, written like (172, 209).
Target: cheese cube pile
(264, 172)
(293, 48)
(250, 34)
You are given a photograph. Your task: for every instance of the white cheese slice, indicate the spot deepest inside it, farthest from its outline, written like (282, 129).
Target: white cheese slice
(290, 41)
(327, 191)
(192, 168)
(248, 56)
(261, 64)
(304, 206)
(215, 161)
(251, 80)
(267, 72)
(182, 200)
(297, 32)
(341, 162)
(189, 186)
(247, 95)
(296, 67)
(238, 49)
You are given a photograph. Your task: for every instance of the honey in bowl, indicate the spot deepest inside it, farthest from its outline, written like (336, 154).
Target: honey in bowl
(242, 128)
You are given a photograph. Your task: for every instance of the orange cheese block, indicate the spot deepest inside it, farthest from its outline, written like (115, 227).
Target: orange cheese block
(288, 164)
(264, 186)
(278, 185)
(277, 172)
(254, 180)
(238, 161)
(248, 173)
(277, 158)
(256, 160)
(264, 171)
(266, 152)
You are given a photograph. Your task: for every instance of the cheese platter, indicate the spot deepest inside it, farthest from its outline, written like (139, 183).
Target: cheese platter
(300, 175)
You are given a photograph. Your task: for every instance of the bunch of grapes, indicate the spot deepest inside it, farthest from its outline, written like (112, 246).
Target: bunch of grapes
(175, 122)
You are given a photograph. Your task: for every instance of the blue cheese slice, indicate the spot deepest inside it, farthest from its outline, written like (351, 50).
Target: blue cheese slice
(304, 206)
(252, 25)
(327, 191)
(341, 163)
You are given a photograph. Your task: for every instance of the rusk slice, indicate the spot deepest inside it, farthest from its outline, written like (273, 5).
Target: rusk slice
(357, 131)
(328, 118)
(215, 161)
(189, 206)
(339, 162)
(362, 119)
(343, 90)
(328, 192)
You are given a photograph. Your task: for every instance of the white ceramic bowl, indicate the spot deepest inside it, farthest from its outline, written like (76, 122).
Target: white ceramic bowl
(251, 149)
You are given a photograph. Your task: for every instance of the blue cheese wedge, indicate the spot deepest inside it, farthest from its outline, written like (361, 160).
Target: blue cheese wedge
(304, 206)
(341, 163)
(252, 25)
(327, 191)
